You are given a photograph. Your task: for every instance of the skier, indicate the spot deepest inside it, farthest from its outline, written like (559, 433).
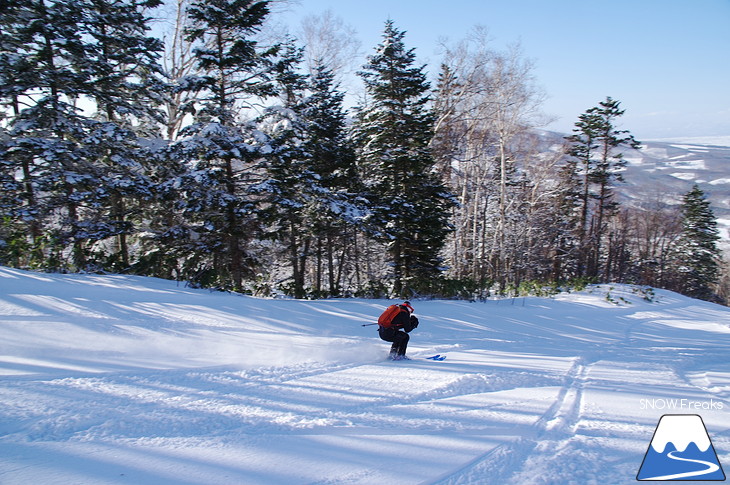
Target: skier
(394, 319)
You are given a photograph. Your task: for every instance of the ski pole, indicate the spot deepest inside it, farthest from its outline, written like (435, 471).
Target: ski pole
(367, 324)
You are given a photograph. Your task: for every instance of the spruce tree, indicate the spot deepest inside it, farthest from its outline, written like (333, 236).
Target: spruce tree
(126, 87)
(42, 46)
(222, 148)
(697, 257)
(309, 168)
(79, 170)
(19, 222)
(410, 205)
(567, 224)
(290, 189)
(333, 162)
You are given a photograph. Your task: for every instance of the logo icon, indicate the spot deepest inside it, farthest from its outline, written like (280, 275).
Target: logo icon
(681, 450)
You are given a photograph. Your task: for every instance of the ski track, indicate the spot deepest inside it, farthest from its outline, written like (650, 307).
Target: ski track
(531, 394)
(562, 433)
(558, 422)
(230, 405)
(293, 399)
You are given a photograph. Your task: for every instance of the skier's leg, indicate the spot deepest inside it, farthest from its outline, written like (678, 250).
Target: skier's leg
(402, 342)
(390, 335)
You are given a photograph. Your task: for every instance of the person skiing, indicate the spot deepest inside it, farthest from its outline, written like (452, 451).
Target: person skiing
(394, 325)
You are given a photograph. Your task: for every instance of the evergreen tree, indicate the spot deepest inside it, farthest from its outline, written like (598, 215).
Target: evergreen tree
(19, 224)
(568, 223)
(290, 188)
(333, 162)
(42, 44)
(599, 164)
(308, 169)
(125, 84)
(410, 205)
(697, 257)
(78, 170)
(221, 147)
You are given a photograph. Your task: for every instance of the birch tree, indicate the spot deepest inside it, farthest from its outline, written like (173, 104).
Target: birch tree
(486, 101)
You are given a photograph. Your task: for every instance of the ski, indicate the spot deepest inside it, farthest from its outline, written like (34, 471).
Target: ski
(438, 357)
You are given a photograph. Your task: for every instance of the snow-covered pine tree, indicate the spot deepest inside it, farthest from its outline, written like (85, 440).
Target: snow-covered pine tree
(290, 189)
(410, 205)
(309, 171)
(606, 174)
(19, 225)
(583, 150)
(221, 146)
(332, 159)
(126, 87)
(568, 222)
(77, 169)
(696, 255)
(42, 43)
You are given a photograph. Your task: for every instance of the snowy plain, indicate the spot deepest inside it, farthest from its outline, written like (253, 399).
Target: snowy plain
(108, 379)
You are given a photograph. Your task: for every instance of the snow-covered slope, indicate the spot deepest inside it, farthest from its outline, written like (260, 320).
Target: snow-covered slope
(666, 170)
(662, 171)
(128, 380)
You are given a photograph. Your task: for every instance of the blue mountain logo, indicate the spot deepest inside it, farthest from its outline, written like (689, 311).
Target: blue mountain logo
(680, 450)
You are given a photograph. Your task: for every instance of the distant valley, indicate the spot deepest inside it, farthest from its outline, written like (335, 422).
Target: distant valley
(664, 170)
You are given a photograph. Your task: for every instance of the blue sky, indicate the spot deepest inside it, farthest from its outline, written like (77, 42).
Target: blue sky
(667, 61)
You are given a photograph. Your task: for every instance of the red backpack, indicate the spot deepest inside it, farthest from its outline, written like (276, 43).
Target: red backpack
(387, 317)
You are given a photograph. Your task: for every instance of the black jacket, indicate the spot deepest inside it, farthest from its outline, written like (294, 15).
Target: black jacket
(405, 320)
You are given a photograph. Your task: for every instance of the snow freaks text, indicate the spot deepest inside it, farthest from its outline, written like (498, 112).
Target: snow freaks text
(663, 404)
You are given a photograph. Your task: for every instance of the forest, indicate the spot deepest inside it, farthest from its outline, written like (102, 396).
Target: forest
(222, 154)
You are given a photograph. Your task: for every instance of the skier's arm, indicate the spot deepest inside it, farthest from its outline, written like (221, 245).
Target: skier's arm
(412, 323)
